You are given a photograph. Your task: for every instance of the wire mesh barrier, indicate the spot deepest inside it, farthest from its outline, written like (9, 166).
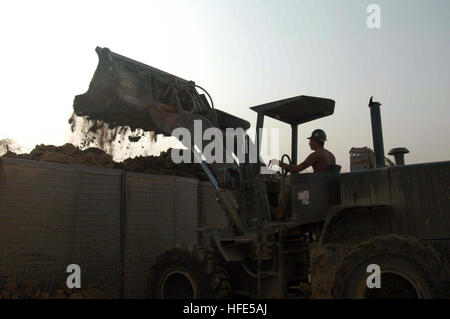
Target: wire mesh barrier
(211, 214)
(111, 223)
(54, 215)
(161, 212)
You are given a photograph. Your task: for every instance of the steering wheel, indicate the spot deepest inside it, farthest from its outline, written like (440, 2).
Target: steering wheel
(283, 177)
(283, 170)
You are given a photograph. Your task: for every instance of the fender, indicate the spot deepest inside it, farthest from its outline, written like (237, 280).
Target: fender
(344, 227)
(354, 223)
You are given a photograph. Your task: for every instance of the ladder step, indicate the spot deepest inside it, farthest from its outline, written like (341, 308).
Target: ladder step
(270, 244)
(269, 273)
(289, 251)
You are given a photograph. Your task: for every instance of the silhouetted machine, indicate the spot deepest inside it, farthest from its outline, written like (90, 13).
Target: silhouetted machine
(334, 224)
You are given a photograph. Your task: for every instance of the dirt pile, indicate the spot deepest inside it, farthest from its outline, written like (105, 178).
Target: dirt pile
(30, 289)
(162, 165)
(70, 154)
(67, 154)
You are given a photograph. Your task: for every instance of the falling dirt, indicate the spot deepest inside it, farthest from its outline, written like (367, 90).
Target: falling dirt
(134, 138)
(96, 144)
(9, 145)
(119, 141)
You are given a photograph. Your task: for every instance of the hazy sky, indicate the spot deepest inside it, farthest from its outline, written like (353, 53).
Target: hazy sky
(244, 53)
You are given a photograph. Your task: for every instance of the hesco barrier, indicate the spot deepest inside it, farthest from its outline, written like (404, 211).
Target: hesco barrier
(111, 223)
(211, 214)
(160, 212)
(53, 215)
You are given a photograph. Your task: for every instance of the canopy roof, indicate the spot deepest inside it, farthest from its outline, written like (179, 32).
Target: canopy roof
(297, 110)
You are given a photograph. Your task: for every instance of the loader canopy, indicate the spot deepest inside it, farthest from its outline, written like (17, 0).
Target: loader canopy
(297, 110)
(293, 111)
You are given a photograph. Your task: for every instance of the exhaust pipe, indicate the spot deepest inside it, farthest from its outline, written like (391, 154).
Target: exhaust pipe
(377, 132)
(399, 155)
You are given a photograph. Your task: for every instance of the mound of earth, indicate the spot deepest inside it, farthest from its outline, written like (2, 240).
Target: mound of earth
(162, 165)
(67, 154)
(70, 154)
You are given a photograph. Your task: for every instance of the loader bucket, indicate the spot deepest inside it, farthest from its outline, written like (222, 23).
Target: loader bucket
(124, 92)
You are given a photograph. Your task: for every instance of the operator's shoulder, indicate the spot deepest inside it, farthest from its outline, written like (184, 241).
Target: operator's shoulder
(321, 152)
(313, 154)
(329, 152)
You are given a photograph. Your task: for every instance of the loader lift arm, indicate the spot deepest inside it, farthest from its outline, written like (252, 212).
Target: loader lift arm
(124, 92)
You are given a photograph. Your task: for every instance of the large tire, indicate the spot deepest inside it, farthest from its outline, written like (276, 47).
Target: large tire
(409, 269)
(188, 273)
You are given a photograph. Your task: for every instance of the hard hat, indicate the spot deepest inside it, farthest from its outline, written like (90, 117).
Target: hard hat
(318, 135)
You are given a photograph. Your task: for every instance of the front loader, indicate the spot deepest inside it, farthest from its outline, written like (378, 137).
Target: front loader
(304, 251)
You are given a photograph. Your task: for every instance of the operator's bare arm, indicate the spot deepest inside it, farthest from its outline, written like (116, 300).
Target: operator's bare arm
(294, 168)
(309, 161)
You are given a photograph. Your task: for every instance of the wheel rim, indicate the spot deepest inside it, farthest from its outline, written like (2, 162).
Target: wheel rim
(395, 286)
(178, 285)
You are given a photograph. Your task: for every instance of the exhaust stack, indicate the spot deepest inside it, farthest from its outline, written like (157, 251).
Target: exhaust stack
(377, 132)
(399, 155)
